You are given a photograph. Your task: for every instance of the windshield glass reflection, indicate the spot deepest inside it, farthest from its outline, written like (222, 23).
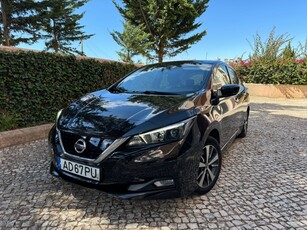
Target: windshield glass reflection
(167, 78)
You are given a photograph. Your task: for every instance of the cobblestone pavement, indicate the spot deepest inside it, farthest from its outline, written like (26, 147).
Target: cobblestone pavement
(263, 185)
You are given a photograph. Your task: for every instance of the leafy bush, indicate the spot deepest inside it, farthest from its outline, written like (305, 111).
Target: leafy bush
(7, 121)
(274, 61)
(271, 49)
(34, 86)
(276, 72)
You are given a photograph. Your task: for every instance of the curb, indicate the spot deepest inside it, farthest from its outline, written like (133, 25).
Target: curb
(21, 136)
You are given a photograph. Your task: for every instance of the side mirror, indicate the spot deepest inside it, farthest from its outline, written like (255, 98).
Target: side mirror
(225, 91)
(229, 90)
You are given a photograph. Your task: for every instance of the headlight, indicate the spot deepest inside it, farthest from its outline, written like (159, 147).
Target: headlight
(166, 134)
(58, 116)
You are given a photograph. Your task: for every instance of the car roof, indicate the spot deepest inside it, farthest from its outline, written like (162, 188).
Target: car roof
(211, 62)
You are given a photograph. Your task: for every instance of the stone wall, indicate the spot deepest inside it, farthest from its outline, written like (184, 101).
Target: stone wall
(278, 91)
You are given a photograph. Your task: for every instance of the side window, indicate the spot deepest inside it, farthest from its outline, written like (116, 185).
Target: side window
(221, 78)
(233, 76)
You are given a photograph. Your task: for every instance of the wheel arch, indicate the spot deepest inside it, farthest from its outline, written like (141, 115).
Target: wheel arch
(215, 134)
(214, 130)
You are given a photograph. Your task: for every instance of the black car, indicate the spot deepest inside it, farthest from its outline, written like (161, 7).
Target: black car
(158, 132)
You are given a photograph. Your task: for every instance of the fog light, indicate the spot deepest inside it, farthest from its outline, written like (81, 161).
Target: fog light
(151, 155)
(162, 183)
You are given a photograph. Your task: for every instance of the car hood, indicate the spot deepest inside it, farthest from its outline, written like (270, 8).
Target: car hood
(114, 115)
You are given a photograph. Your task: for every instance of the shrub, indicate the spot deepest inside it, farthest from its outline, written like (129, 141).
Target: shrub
(7, 121)
(34, 86)
(274, 61)
(274, 72)
(272, 48)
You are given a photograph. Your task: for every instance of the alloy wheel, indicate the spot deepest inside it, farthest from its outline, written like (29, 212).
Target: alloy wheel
(208, 166)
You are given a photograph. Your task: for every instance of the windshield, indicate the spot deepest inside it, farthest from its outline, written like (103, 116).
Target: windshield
(167, 78)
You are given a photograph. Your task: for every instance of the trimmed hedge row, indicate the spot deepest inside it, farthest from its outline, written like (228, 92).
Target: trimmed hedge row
(34, 86)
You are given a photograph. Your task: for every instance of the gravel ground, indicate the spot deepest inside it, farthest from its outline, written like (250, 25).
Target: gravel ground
(263, 185)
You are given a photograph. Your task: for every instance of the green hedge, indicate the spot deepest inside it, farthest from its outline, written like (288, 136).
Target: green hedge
(292, 72)
(34, 86)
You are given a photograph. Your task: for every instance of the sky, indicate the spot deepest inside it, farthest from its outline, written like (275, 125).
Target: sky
(230, 24)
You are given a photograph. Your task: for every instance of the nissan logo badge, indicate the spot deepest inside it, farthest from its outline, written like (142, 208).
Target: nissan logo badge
(80, 146)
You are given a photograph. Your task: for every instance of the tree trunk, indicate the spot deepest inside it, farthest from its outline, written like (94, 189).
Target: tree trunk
(160, 52)
(160, 57)
(6, 31)
(55, 44)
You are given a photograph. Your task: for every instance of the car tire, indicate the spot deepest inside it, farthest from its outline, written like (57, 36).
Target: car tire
(243, 132)
(209, 168)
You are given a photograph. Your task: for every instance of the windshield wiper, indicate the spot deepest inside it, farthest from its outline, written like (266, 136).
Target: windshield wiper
(122, 90)
(158, 92)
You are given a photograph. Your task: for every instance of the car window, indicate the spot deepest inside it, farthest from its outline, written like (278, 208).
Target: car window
(168, 78)
(233, 76)
(221, 78)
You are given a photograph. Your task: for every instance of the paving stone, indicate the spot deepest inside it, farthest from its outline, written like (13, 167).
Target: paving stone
(193, 225)
(262, 185)
(131, 226)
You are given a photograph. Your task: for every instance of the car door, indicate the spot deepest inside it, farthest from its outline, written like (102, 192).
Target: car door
(226, 106)
(239, 107)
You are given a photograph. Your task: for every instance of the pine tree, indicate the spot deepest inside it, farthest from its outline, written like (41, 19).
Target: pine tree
(169, 23)
(133, 41)
(61, 25)
(19, 22)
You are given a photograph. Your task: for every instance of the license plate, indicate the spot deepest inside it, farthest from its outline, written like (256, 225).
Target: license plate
(79, 169)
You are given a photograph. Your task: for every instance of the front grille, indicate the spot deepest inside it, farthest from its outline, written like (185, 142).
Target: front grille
(94, 145)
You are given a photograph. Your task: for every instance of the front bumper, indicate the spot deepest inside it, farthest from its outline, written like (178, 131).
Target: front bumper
(121, 176)
(118, 190)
